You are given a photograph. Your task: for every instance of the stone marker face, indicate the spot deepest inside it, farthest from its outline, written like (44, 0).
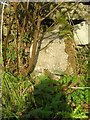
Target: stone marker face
(52, 57)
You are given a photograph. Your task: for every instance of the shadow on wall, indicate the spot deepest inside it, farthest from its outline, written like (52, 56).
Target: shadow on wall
(48, 102)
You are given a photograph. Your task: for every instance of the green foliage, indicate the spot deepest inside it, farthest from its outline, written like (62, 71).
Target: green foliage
(89, 65)
(11, 53)
(45, 99)
(25, 38)
(1, 60)
(14, 94)
(83, 57)
(66, 28)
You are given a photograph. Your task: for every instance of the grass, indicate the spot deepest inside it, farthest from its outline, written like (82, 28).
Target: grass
(22, 99)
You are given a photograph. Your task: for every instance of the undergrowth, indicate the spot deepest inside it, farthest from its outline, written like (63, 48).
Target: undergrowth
(83, 58)
(25, 98)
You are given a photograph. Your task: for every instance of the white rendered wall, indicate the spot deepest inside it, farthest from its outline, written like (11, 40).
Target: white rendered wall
(82, 33)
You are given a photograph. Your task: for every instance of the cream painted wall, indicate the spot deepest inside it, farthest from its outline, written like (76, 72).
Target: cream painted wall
(82, 33)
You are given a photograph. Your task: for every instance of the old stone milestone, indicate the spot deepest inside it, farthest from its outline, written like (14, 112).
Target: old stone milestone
(53, 55)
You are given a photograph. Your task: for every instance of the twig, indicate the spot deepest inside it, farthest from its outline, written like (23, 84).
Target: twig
(51, 11)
